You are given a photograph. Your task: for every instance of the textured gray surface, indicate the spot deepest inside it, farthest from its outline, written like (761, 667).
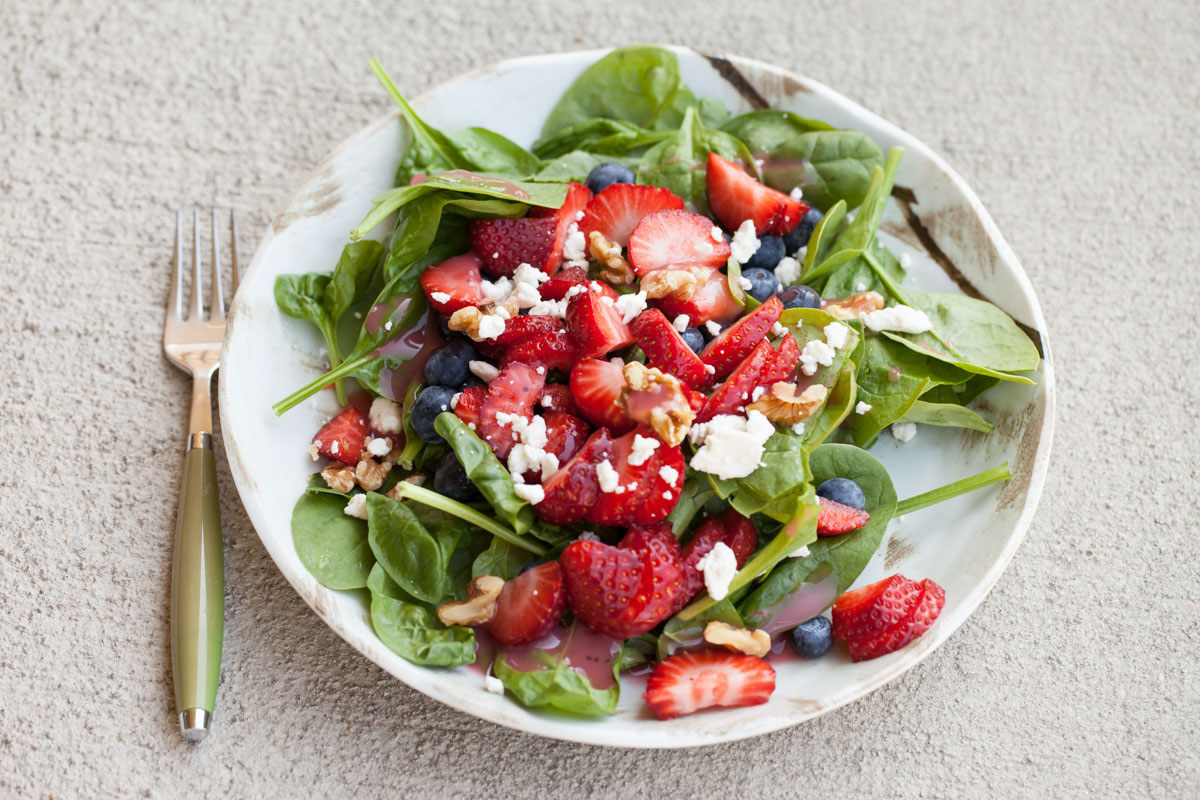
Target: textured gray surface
(1075, 123)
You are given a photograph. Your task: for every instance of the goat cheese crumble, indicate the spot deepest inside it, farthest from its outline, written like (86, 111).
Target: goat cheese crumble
(730, 446)
(718, 566)
(902, 319)
(837, 335)
(862, 408)
(357, 506)
(643, 448)
(385, 416)
(787, 271)
(745, 242)
(904, 431)
(483, 370)
(815, 353)
(681, 322)
(607, 477)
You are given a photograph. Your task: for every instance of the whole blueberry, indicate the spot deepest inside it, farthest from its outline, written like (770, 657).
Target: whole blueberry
(763, 283)
(844, 491)
(770, 250)
(432, 400)
(605, 175)
(800, 234)
(474, 380)
(449, 365)
(451, 479)
(814, 638)
(694, 339)
(800, 296)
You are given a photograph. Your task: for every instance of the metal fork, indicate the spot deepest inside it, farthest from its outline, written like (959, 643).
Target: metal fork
(193, 343)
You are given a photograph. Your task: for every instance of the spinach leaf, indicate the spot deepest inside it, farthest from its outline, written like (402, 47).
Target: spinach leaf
(680, 632)
(502, 560)
(777, 603)
(829, 166)
(963, 393)
(427, 497)
(491, 153)
(575, 166)
(782, 475)
(947, 415)
(637, 651)
(838, 404)
(302, 297)
(410, 554)
(557, 685)
(485, 471)
(765, 129)
(680, 163)
(331, 544)
(412, 631)
(600, 136)
(430, 150)
(351, 277)
(695, 494)
(878, 270)
(823, 236)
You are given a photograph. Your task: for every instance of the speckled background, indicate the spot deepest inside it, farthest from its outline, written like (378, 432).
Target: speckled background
(1075, 123)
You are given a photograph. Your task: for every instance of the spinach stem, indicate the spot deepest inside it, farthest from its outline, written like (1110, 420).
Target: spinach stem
(411, 491)
(335, 360)
(952, 490)
(297, 397)
(881, 273)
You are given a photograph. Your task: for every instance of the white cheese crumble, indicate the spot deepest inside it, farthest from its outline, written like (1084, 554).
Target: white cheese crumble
(730, 446)
(905, 261)
(713, 327)
(796, 193)
(717, 235)
(787, 271)
(607, 477)
(575, 247)
(801, 552)
(758, 392)
(837, 335)
(440, 297)
(483, 370)
(530, 431)
(681, 322)
(778, 330)
(357, 506)
(524, 458)
(745, 283)
(379, 446)
(745, 242)
(630, 305)
(902, 319)
(798, 428)
(385, 416)
(862, 408)
(334, 446)
(669, 474)
(860, 287)
(815, 353)
(498, 291)
(904, 431)
(493, 684)
(491, 325)
(643, 448)
(702, 248)
(719, 565)
(530, 493)
(587, 536)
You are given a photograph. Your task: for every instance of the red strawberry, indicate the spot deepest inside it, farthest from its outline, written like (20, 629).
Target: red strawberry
(571, 492)
(642, 495)
(343, 437)
(676, 238)
(737, 532)
(665, 349)
(564, 216)
(921, 619)
(617, 210)
(522, 327)
(885, 616)
(515, 390)
(529, 606)
(664, 580)
(453, 284)
(735, 197)
(732, 396)
(557, 287)
(505, 244)
(556, 397)
(733, 344)
(467, 406)
(565, 434)
(548, 350)
(693, 680)
(783, 366)
(596, 387)
(596, 325)
(712, 301)
(838, 518)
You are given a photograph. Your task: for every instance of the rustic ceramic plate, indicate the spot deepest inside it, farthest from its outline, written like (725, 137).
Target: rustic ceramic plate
(935, 217)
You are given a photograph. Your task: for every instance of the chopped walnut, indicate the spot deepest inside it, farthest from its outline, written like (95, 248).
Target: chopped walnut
(616, 269)
(371, 474)
(850, 307)
(669, 282)
(480, 605)
(314, 450)
(339, 477)
(739, 640)
(658, 399)
(467, 320)
(782, 404)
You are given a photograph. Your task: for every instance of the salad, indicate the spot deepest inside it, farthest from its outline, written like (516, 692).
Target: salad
(607, 403)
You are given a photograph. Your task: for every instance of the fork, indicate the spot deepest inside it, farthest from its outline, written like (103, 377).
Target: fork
(193, 343)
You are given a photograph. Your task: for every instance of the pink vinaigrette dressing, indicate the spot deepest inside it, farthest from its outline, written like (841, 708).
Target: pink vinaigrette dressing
(412, 347)
(591, 654)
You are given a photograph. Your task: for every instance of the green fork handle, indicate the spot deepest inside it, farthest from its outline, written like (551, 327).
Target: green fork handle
(197, 591)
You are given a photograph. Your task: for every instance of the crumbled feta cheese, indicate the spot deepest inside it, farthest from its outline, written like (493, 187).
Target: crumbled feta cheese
(440, 297)
(387, 326)
(778, 330)
(579, 215)
(527, 273)
(787, 271)
(483, 370)
(745, 283)
(681, 322)
(496, 292)
(710, 369)
(837, 335)
(702, 248)
(587, 536)
(608, 301)
(550, 308)
(491, 325)
(717, 234)
(385, 416)
(643, 448)
(905, 261)
(493, 684)
(530, 431)
(454, 400)
(379, 447)
(745, 242)
(862, 408)
(802, 552)
(530, 493)
(630, 305)
(815, 353)
(357, 506)
(501, 312)
(596, 287)
(904, 431)
(541, 370)
(713, 327)
(860, 287)
(667, 495)
(903, 319)
(718, 566)
(575, 246)
(758, 392)
(668, 474)
(525, 458)
(334, 446)
(796, 193)
(607, 477)
(798, 428)
(730, 446)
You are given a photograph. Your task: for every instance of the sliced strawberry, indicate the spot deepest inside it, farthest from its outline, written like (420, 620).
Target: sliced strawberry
(565, 434)
(663, 582)
(453, 284)
(870, 610)
(505, 244)
(924, 613)
(711, 301)
(699, 679)
(735, 531)
(343, 437)
(515, 390)
(617, 210)
(547, 350)
(732, 396)
(783, 365)
(564, 280)
(836, 518)
(696, 400)
(529, 605)
(522, 327)
(735, 197)
(571, 492)
(596, 325)
(733, 344)
(564, 216)
(596, 387)
(665, 349)
(641, 494)
(556, 397)
(468, 403)
(676, 238)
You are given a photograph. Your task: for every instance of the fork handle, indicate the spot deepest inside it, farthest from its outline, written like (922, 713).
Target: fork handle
(197, 590)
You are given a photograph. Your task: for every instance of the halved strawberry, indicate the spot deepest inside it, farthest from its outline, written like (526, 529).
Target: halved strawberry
(571, 492)
(521, 327)
(732, 396)
(735, 197)
(617, 210)
(698, 679)
(565, 434)
(596, 325)
(665, 349)
(711, 301)
(925, 612)
(640, 493)
(467, 406)
(529, 605)
(343, 437)
(887, 615)
(505, 244)
(548, 350)
(733, 344)
(564, 280)
(515, 390)
(556, 397)
(735, 531)
(783, 365)
(453, 284)
(565, 215)
(663, 583)
(836, 518)
(596, 387)
(675, 238)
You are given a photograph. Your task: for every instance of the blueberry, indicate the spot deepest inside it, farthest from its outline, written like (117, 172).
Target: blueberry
(763, 283)
(803, 232)
(605, 175)
(432, 400)
(770, 250)
(448, 366)
(474, 380)
(451, 479)
(800, 297)
(813, 639)
(694, 339)
(844, 491)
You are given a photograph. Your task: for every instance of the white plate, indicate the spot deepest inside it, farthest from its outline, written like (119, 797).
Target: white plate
(964, 544)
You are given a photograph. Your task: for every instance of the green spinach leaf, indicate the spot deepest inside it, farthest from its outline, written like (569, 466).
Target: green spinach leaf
(331, 544)
(493, 154)
(680, 163)
(486, 472)
(765, 129)
(502, 560)
(947, 415)
(410, 554)
(412, 631)
(679, 632)
(557, 685)
(829, 166)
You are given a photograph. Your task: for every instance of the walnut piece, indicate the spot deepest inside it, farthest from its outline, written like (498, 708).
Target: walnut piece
(480, 605)
(668, 282)
(657, 399)
(467, 320)
(616, 269)
(339, 477)
(781, 403)
(850, 307)
(371, 474)
(739, 640)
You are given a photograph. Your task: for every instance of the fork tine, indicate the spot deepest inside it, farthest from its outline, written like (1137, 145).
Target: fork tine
(196, 308)
(237, 268)
(216, 303)
(174, 309)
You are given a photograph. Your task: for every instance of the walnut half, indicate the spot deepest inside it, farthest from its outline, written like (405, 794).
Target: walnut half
(781, 403)
(739, 640)
(339, 477)
(371, 474)
(671, 282)
(656, 398)
(480, 605)
(616, 269)
(850, 307)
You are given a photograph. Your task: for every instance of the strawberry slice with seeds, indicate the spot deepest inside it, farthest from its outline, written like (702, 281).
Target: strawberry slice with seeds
(571, 492)
(343, 437)
(453, 284)
(505, 244)
(871, 609)
(565, 434)
(595, 325)
(633, 489)
(663, 581)
(837, 518)
(556, 397)
(617, 210)
(925, 611)
(665, 349)
(529, 605)
(467, 404)
(735, 531)
(783, 366)
(564, 280)
(522, 327)
(515, 390)
(712, 301)
(735, 197)
(564, 216)
(596, 388)
(732, 396)
(733, 344)
(604, 586)
(553, 350)
(691, 681)
(674, 238)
